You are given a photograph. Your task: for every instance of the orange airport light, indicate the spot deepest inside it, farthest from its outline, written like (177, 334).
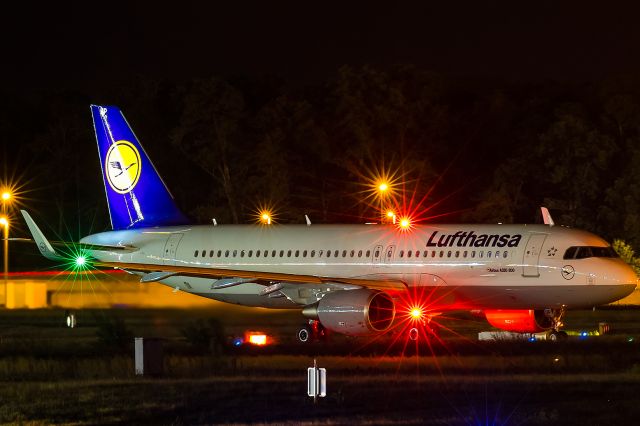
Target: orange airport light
(6, 196)
(257, 338)
(405, 223)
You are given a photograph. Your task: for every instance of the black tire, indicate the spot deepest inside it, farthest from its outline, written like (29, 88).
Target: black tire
(304, 334)
(558, 336)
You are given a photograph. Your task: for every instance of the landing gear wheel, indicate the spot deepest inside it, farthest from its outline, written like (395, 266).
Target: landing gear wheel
(414, 334)
(304, 334)
(557, 336)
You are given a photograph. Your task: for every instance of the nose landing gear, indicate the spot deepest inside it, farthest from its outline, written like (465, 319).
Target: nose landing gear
(556, 315)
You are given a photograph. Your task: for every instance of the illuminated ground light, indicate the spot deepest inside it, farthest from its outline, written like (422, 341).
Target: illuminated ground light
(256, 338)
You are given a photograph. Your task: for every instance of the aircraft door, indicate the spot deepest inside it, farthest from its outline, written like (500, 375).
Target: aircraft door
(388, 253)
(377, 254)
(532, 255)
(171, 248)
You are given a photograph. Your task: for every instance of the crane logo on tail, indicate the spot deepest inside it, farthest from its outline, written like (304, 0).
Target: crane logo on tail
(122, 166)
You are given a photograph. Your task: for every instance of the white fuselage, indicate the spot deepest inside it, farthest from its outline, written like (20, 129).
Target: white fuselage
(464, 266)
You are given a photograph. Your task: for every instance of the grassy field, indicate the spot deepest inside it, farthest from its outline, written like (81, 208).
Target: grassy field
(53, 374)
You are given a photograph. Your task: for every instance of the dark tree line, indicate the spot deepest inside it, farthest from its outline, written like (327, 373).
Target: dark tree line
(462, 150)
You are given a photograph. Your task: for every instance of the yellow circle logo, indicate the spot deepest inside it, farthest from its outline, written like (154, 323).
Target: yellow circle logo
(122, 166)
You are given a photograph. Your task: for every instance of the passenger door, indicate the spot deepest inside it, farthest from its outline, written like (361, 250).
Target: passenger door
(171, 248)
(531, 258)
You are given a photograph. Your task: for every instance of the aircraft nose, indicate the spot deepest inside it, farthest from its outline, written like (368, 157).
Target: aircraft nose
(623, 276)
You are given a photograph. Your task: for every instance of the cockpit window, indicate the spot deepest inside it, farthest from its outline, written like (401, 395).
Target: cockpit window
(583, 252)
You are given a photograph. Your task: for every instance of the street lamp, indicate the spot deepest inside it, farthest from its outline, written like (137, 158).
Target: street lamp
(383, 188)
(5, 197)
(4, 222)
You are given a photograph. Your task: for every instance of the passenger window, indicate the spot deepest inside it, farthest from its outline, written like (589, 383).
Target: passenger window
(204, 253)
(368, 253)
(353, 252)
(389, 253)
(196, 253)
(219, 253)
(497, 253)
(409, 252)
(288, 253)
(328, 253)
(481, 253)
(457, 253)
(304, 253)
(417, 253)
(449, 254)
(359, 253)
(257, 253)
(336, 253)
(489, 253)
(226, 253)
(241, 253)
(401, 253)
(344, 253)
(433, 253)
(281, 253)
(464, 253)
(313, 253)
(211, 253)
(473, 253)
(250, 253)
(505, 254)
(273, 253)
(425, 254)
(297, 253)
(320, 253)
(441, 253)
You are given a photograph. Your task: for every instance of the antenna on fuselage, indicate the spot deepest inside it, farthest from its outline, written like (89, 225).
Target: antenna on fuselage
(307, 219)
(546, 216)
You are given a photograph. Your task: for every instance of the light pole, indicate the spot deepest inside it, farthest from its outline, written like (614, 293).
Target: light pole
(383, 187)
(4, 222)
(5, 197)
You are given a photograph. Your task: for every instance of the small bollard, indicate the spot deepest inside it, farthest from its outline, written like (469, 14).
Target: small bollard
(316, 381)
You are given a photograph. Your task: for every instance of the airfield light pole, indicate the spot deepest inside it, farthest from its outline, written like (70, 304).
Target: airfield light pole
(383, 187)
(4, 221)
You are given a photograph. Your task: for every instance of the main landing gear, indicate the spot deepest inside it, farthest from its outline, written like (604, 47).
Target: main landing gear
(427, 327)
(555, 315)
(313, 331)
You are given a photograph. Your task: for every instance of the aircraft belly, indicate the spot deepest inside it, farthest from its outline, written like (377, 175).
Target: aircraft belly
(531, 296)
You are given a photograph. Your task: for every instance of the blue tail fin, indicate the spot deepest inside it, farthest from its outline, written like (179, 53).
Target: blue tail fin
(136, 194)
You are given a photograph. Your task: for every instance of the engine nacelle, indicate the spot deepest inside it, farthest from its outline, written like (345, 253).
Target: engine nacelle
(354, 312)
(520, 321)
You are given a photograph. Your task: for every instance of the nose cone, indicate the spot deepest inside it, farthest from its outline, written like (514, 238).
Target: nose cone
(621, 277)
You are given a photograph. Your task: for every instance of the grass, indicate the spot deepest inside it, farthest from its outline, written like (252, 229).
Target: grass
(52, 374)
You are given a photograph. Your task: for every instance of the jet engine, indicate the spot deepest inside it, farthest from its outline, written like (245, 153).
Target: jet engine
(354, 312)
(520, 321)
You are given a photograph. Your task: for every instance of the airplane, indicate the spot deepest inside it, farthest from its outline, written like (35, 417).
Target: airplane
(357, 280)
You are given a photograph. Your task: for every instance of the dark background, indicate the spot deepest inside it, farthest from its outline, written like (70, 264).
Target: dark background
(483, 111)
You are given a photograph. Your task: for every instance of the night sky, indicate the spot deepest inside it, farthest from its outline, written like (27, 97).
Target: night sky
(85, 46)
(481, 84)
